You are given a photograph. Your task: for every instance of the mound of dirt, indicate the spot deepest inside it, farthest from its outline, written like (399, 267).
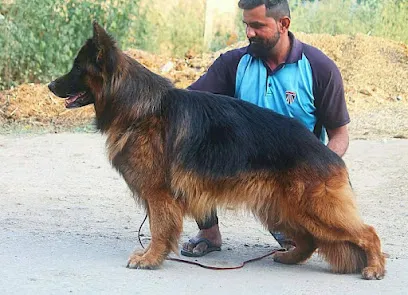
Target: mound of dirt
(375, 70)
(375, 73)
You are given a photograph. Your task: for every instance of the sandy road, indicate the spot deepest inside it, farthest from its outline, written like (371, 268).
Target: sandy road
(68, 224)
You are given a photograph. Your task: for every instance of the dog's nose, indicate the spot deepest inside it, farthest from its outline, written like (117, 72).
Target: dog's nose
(51, 86)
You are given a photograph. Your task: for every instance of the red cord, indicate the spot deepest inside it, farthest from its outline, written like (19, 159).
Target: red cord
(207, 266)
(224, 268)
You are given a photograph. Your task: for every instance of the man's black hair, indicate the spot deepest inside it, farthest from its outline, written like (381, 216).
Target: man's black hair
(274, 8)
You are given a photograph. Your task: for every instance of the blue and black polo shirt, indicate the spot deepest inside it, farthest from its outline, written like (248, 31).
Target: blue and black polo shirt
(308, 86)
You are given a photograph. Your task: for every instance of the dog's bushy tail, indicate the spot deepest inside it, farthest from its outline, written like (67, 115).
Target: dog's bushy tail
(344, 257)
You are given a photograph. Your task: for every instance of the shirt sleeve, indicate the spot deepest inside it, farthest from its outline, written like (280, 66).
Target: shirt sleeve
(330, 102)
(220, 77)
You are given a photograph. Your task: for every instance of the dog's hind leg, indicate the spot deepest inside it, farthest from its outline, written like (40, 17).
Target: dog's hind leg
(165, 218)
(305, 246)
(348, 244)
(353, 252)
(369, 241)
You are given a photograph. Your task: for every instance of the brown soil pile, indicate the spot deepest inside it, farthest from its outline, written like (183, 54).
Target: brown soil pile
(375, 73)
(375, 70)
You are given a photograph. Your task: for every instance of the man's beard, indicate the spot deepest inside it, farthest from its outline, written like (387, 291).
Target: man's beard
(261, 48)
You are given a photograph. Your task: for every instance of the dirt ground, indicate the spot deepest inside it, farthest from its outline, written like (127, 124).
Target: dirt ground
(69, 223)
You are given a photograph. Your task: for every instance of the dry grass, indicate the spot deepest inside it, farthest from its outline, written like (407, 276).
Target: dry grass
(375, 70)
(375, 73)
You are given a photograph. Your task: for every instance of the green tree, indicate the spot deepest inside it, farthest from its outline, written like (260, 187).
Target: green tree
(39, 38)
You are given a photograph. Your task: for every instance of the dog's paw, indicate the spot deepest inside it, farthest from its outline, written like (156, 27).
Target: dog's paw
(138, 253)
(138, 261)
(373, 273)
(282, 257)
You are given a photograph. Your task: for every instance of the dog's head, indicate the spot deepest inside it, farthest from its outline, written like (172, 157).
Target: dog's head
(96, 60)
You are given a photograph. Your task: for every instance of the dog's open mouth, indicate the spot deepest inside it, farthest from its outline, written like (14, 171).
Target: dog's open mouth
(77, 100)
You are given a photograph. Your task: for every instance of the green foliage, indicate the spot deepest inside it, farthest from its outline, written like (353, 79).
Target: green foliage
(393, 20)
(386, 18)
(176, 30)
(39, 38)
(186, 29)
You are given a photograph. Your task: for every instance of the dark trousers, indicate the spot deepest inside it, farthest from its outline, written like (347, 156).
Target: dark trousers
(209, 221)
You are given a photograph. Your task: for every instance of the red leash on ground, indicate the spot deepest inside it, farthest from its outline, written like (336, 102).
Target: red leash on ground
(223, 268)
(207, 266)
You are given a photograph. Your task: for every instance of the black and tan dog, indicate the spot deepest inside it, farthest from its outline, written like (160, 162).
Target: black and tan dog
(185, 152)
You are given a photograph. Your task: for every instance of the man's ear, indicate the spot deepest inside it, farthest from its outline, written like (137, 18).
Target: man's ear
(103, 42)
(284, 23)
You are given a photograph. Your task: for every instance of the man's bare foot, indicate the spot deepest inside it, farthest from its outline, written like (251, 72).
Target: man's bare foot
(206, 241)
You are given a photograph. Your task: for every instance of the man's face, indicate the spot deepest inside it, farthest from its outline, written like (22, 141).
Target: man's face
(262, 31)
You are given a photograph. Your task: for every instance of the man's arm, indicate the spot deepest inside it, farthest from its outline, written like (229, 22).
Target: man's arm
(330, 102)
(338, 140)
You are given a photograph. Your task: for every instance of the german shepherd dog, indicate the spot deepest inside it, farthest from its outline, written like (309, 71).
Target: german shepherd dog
(184, 153)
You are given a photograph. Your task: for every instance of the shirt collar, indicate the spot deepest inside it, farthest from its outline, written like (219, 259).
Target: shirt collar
(296, 50)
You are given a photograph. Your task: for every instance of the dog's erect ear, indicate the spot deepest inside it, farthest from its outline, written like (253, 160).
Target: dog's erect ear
(104, 43)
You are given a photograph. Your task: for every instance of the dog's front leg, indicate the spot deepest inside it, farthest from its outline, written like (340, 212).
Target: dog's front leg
(166, 221)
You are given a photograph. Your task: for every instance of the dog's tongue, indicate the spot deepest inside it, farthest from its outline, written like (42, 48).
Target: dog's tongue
(70, 100)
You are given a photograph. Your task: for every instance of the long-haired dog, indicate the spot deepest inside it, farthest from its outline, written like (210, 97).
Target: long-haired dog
(186, 152)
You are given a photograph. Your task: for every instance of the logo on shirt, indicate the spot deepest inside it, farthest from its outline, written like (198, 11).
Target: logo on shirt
(290, 96)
